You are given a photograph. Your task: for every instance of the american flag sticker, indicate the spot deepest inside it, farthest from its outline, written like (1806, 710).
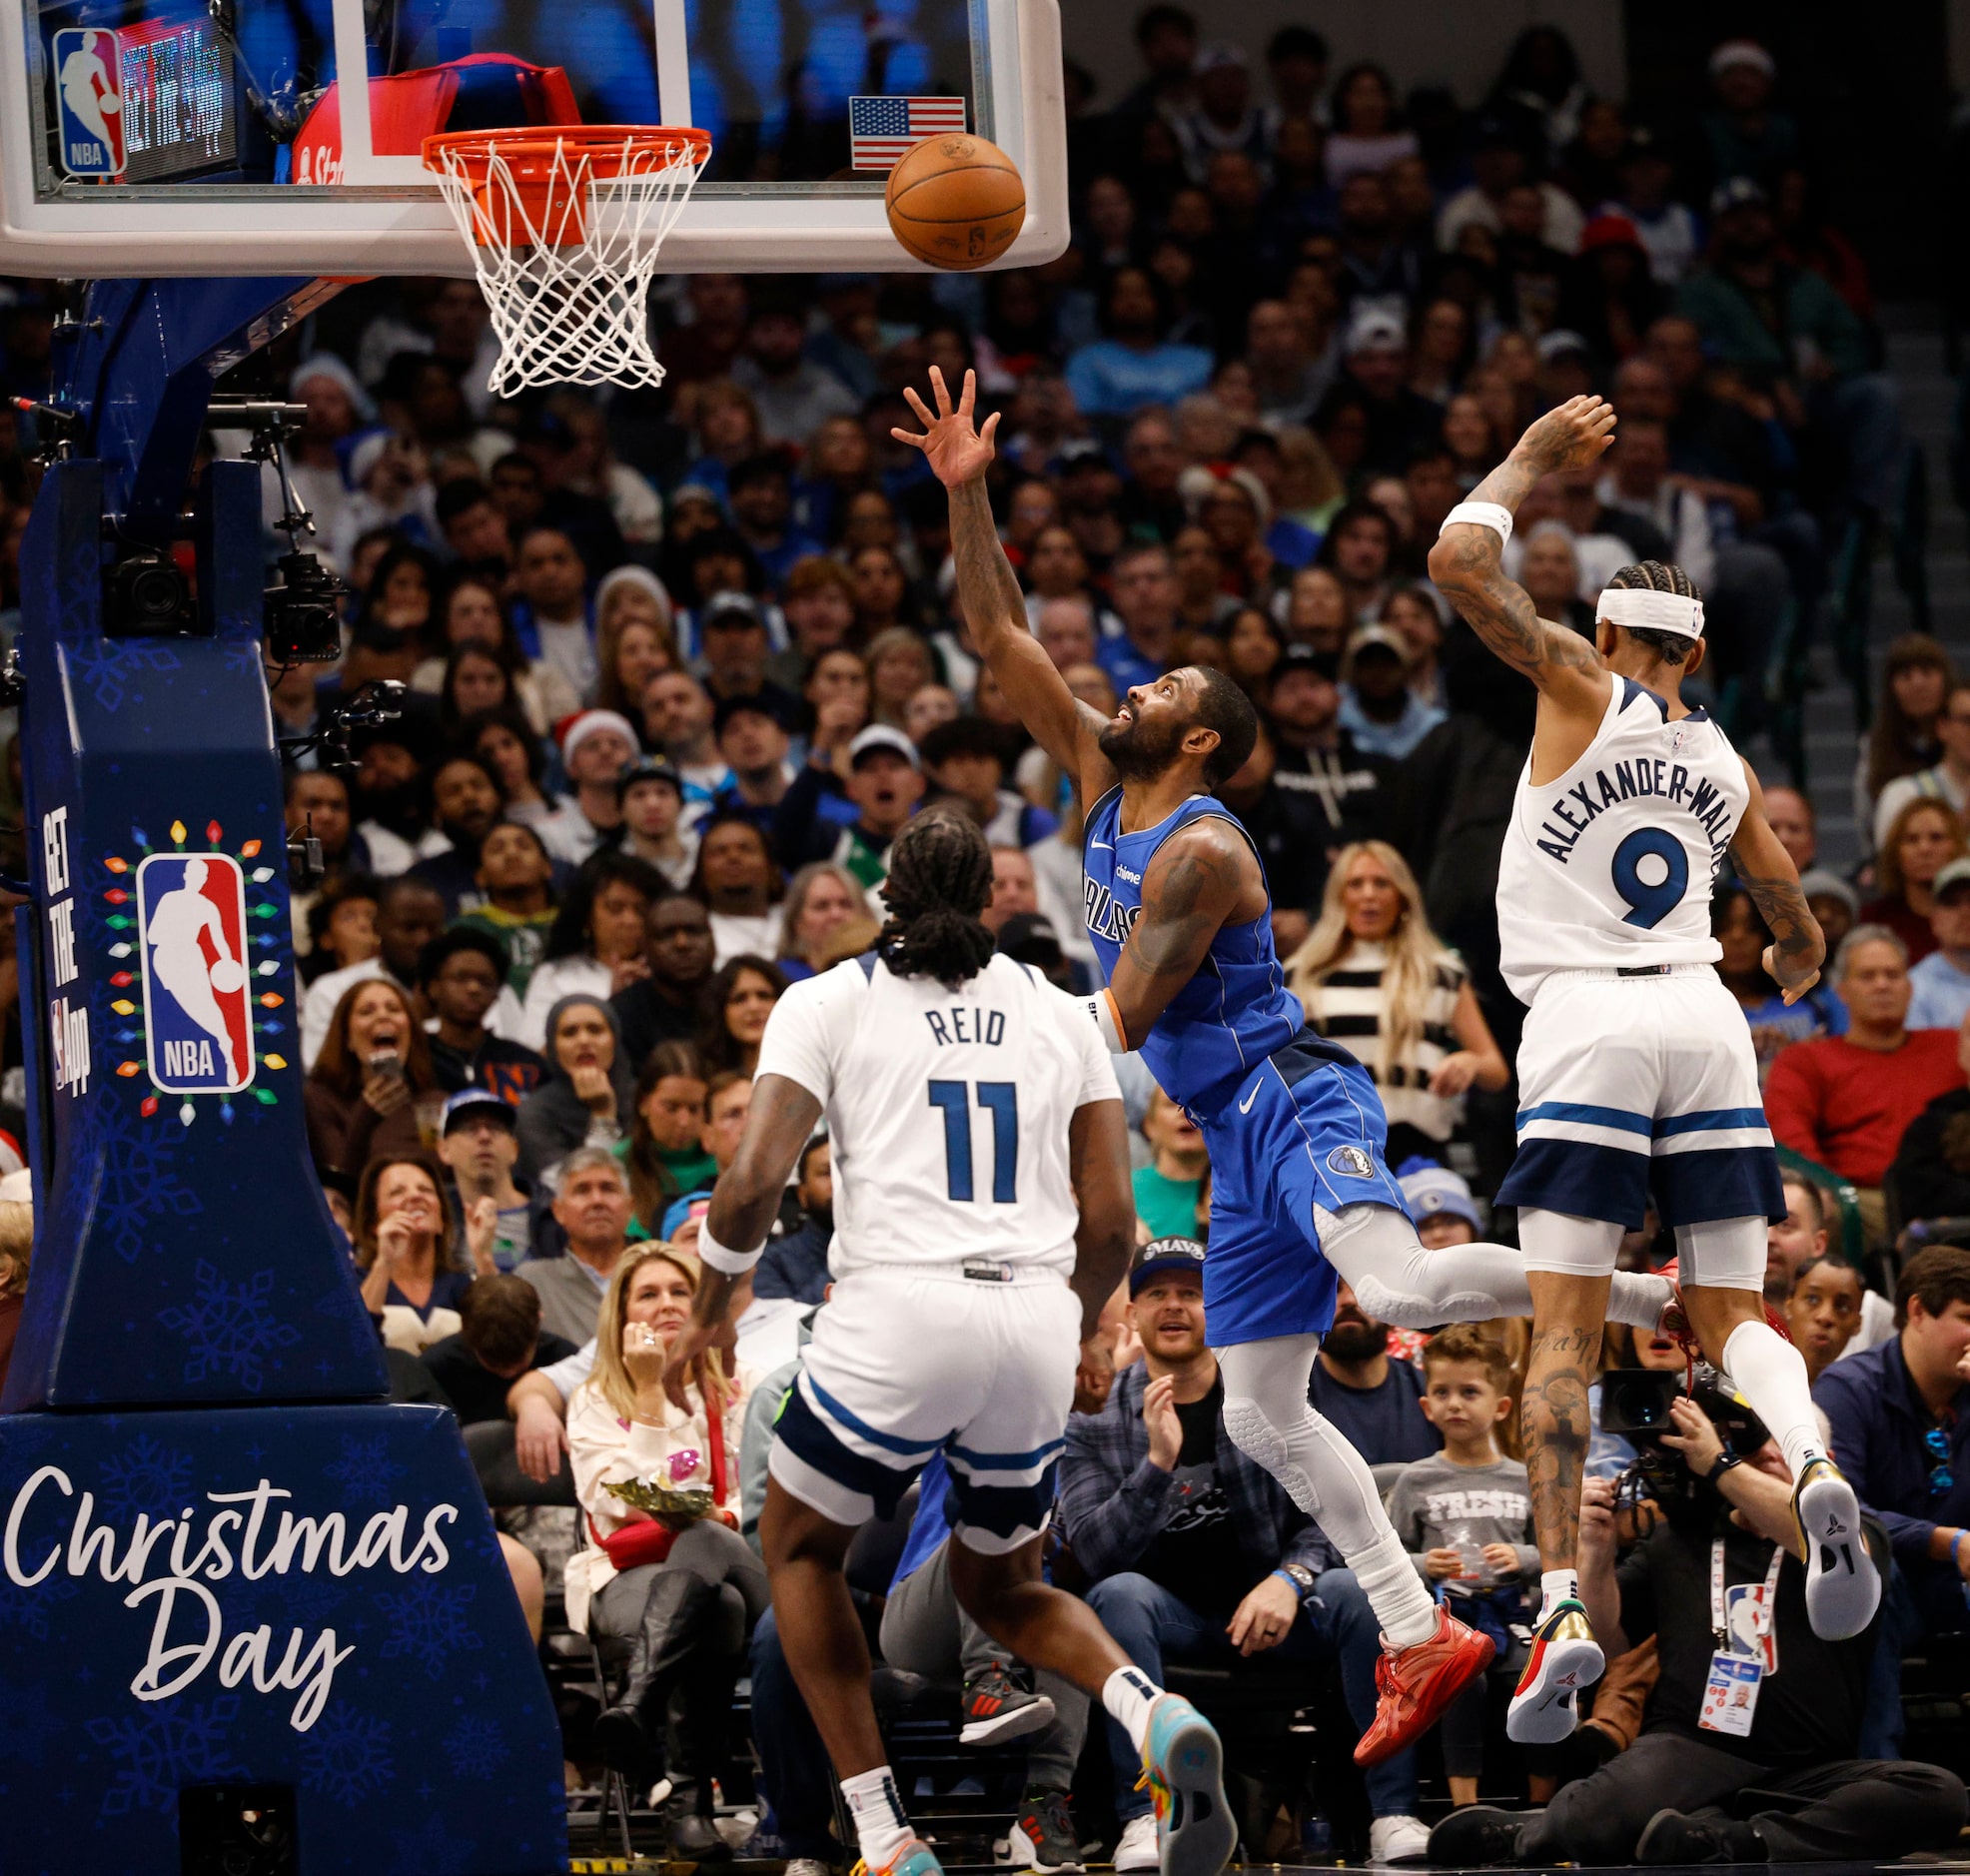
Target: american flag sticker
(882, 130)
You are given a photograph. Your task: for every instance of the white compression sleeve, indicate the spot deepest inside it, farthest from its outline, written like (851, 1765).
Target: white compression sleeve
(1269, 1422)
(1771, 1376)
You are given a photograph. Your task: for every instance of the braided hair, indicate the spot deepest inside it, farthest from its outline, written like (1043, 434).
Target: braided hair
(940, 880)
(1659, 576)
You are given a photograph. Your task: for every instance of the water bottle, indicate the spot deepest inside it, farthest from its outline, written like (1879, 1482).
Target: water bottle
(1316, 1835)
(1476, 1571)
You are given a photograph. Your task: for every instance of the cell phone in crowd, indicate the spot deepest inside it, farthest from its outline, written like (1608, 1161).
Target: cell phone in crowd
(388, 1064)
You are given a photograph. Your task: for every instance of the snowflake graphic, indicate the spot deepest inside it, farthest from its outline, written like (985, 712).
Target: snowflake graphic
(137, 1181)
(433, 1845)
(365, 1472)
(104, 666)
(164, 1747)
(427, 1622)
(230, 1326)
(32, 1609)
(145, 1478)
(476, 1746)
(346, 1755)
(244, 654)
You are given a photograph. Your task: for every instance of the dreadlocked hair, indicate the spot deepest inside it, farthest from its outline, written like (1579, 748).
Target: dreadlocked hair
(1659, 576)
(940, 880)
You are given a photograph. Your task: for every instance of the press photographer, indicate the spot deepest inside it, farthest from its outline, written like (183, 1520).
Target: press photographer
(1746, 1753)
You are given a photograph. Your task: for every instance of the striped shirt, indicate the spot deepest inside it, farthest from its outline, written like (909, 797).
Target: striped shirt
(1348, 1009)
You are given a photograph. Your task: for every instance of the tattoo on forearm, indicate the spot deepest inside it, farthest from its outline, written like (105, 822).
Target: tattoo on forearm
(987, 584)
(1794, 931)
(1499, 610)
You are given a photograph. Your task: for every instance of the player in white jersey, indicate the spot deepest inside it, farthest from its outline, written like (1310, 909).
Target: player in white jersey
(982, 1217)
(1636, 1073)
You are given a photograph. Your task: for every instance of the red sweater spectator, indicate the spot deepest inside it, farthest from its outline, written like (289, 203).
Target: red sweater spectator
(1847, 1100)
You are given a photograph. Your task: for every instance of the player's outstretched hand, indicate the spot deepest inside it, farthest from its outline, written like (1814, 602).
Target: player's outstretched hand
(957, 454)
(1775, 968)
(1572, 436)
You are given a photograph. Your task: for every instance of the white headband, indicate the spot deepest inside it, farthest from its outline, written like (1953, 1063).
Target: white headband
(1653, 611)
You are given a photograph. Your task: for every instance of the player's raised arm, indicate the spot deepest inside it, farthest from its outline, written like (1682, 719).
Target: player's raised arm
(1204, 876)
(1766, 872)
(778, 1124)
(994, 605)
(1467, 561)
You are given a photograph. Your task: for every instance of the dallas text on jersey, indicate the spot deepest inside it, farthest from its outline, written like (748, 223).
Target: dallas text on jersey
(1106, 917)
(1631, 782)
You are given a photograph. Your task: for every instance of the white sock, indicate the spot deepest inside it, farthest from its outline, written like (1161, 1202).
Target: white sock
(881, 1829)
(1636, 1298)
(1771, 1376)
(1128, 1694)
(1556, 1586)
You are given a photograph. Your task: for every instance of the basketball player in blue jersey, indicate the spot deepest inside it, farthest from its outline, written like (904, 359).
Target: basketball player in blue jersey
(1179, 914)
(1636, 1073)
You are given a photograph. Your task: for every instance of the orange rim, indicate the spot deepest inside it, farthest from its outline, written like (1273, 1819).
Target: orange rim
(531, 149)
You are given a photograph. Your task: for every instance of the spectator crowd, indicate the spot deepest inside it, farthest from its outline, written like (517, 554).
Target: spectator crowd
(677, 666)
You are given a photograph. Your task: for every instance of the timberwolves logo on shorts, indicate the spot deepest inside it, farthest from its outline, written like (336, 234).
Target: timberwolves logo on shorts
(1350, 1162)
(191, 912)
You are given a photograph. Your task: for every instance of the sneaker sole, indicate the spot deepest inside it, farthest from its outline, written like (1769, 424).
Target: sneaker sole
(1014, 1723)
(1199, 1836)
(1843, 1588)
(1546, 1714)
(1021, 1853)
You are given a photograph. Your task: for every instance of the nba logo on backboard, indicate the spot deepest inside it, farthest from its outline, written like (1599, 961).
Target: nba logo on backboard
(191, 912)
(89, 92)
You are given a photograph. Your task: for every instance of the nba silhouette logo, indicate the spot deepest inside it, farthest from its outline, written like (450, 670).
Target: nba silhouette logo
(88, 64)
(191, 914)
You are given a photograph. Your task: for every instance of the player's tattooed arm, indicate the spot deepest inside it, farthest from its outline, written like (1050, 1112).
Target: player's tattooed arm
(989, 590)
(1766, 872)
(1204, 877)
(778, 1124)
(1467, 562)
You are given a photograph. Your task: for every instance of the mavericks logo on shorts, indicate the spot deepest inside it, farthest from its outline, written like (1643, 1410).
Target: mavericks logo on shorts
(191, 913)
(1350, 1162)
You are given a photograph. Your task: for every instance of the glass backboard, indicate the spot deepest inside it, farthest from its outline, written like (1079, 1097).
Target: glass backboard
(216, 137)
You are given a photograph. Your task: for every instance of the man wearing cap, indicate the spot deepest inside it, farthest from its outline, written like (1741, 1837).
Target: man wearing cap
(1196, 1553)
(1942, 980)
(652, 796)
(595, 749)
(462, 976)
(390, 797)
(1378, 707)
(885, 783)
(1400, 420)
(1668, 228)
(752, 739)
(734, 643)
(1342, 791)
(476, 1141)
(1638, 1075)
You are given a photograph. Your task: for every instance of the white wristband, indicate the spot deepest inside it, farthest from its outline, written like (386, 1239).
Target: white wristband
(1101, 1006)
(722, 1257)
(1480, 514)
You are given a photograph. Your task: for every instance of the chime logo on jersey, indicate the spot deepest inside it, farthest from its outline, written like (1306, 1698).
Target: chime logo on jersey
(89, 92)
(191, 914)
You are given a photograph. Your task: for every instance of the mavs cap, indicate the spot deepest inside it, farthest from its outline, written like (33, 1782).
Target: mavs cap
(1432, 1190)
(1651, 611)
(1164, 1254)
(470, 1104)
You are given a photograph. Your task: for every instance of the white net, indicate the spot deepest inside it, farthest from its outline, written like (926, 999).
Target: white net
(565, 233)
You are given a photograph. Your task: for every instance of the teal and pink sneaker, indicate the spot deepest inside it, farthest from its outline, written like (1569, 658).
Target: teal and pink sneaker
(1182, 1763)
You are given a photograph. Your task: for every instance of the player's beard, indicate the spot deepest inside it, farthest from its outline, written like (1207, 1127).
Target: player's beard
(1141, 750)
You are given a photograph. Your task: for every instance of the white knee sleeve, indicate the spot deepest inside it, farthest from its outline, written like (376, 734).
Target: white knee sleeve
(1395, 1280)
(1722, 1254)
(1566, 1246)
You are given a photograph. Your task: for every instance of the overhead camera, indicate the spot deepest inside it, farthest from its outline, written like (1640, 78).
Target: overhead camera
(148, 594)
(1635, 1402)
(304, 617)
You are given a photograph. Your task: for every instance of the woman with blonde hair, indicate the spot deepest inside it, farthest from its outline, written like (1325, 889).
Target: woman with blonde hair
(1375, 978)
(658, 1580)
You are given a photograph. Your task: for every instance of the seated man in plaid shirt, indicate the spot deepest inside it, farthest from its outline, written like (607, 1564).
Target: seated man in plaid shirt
(1196, 1553)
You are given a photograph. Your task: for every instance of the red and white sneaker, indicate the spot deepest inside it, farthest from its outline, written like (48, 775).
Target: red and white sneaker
(1565, 1662)
(1414, 1685)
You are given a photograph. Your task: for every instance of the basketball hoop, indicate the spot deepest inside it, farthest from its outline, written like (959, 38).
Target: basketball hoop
(564, 222)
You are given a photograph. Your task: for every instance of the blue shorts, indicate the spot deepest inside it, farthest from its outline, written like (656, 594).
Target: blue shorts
(1304, 1129)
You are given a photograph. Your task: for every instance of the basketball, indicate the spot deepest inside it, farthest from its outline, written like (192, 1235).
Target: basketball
(226, 976)
(956, 201)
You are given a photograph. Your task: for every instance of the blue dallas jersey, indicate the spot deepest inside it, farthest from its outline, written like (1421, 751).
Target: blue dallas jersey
(1236, 1011)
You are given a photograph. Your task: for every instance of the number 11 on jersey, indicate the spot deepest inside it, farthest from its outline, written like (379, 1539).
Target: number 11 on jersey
(1001, 1100)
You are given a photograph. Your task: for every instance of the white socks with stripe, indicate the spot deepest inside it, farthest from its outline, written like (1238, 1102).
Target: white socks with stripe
(1771, 1376)
(881, 1829)
(1555, 1587)
(1128, 1694)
